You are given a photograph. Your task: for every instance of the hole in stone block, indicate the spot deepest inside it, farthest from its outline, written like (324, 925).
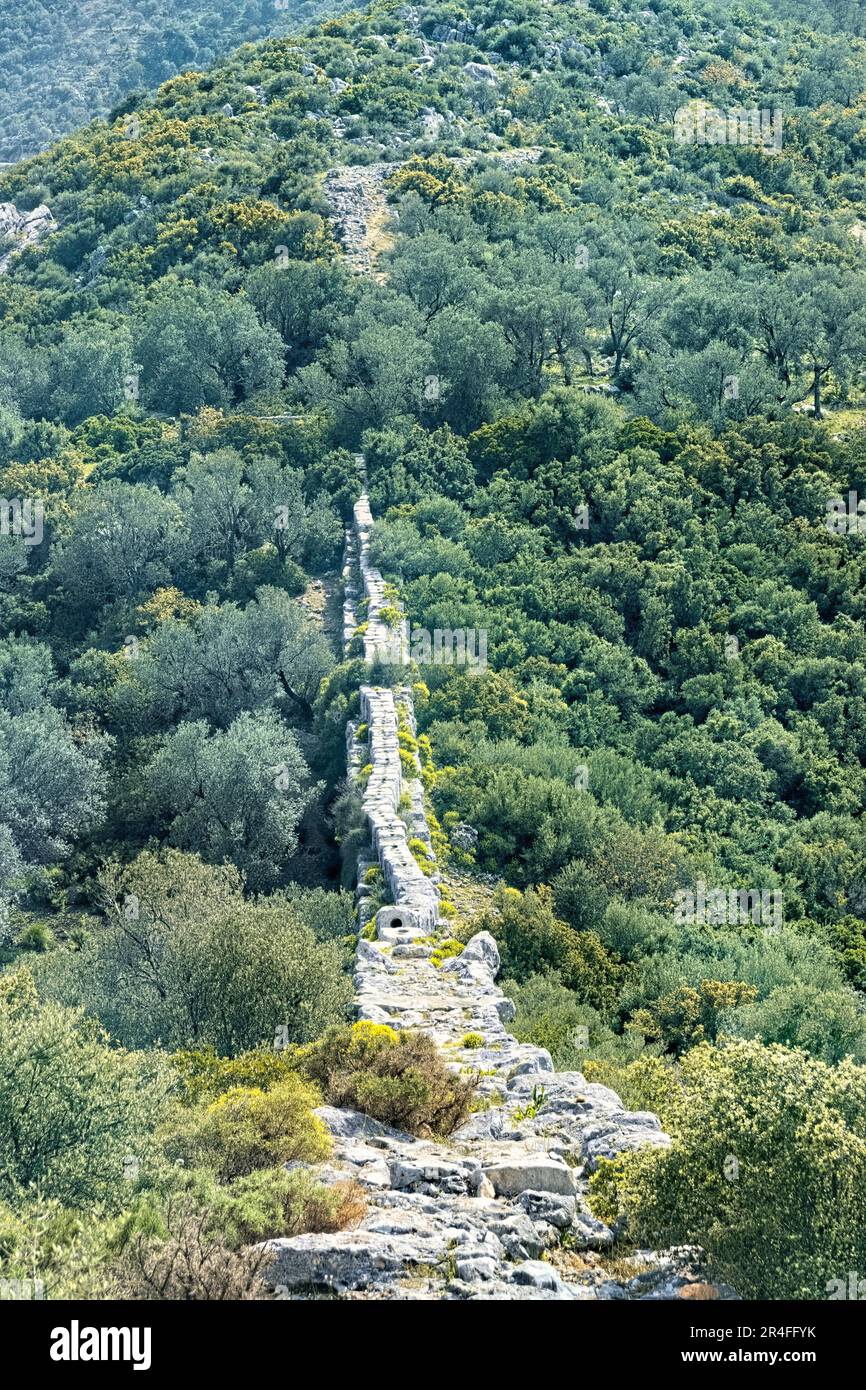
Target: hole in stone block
(396, 921)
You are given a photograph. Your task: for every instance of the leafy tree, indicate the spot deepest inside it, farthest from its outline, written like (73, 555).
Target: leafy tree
(74, 1110)
(765, 1170)
(828, 1024)
(89, 371)
(200, 347)
(532, 940)
(295, 298)
(185, 961)
(226, 659)
(235, 794)
(124, 541)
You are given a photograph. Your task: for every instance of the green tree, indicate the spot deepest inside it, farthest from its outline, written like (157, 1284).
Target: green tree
(766, 1170)
(225, 659)
(202, 346)
(74, 1111)
(124, 541)
(235, 794)
(185, 961)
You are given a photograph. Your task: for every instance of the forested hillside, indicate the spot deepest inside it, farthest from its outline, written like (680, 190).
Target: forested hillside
(610, 387)
(64, 64)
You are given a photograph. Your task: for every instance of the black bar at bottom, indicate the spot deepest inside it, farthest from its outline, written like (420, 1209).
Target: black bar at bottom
(282, 1337)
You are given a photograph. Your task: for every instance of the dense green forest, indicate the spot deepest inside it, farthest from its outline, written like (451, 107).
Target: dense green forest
(64, 64)
(611, 391)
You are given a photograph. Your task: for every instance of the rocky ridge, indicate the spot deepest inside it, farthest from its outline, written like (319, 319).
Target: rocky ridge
(469, 1217)
(19, 230)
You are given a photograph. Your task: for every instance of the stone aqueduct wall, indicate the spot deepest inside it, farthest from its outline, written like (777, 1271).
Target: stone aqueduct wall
(468, 1217)
(415, 896)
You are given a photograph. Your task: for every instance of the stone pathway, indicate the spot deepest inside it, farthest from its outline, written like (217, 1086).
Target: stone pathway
(471, 1216)
(356, 193)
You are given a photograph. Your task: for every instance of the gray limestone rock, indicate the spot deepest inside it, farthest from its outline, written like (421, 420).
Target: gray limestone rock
(532, 1172)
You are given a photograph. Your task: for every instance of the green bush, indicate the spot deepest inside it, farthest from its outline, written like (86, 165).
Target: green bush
(277, 1202)
(766, 1171)
(330, 916)
(398, 1078)
(247, 1128)
(72, 1108)
(446, 948)
(532, 940)
(182, 1256)
(688, 1016)
(646, 1083)
(205, 1075)
(551, 1016)
(37, 936)
(68, 1251)
(829, 1024)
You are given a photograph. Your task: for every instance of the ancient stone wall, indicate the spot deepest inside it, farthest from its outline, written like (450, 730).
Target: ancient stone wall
(413, 893)
(468, 1217)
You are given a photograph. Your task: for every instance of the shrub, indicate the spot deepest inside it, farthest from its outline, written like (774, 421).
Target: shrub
(578, 897)
(472, 1040)
(688, 1016)
(398, 1078)
(391, 615)
(445, 949)
(551, 1016)
(422, 856)
(767, 1170)
(205, 1075)
(247, 1128)
(67, 1251)
(330, 916)
(275, 1202)
(531, 940)
(191, 1262)
(646, 1083)
(848, 937)
(37, 936)
(529, 827)
(829, 1024)
(72, 1108)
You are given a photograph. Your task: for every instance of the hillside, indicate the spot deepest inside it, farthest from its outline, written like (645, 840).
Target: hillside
(65, 64)
(597, 365)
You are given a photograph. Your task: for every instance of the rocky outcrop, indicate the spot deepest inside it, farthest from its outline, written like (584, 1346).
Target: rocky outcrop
(19, 230)
(358, 194)
(358, 209)
(470, 1217)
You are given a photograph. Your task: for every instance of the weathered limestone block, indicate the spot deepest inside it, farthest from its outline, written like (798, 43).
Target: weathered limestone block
(532, 1172)
(349, 1259)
